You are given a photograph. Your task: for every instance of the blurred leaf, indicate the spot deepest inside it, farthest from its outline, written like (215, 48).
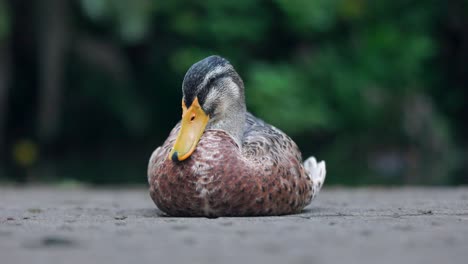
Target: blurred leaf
(95, 9)
(282, 96)
(4, 21)
(351, 9)
(131, 17)
(182, 59)
(306, 16)
(186, 23)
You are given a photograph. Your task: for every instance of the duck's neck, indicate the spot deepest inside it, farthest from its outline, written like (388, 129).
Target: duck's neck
(232, 122)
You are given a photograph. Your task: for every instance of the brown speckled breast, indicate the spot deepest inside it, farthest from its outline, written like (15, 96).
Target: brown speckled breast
(219, 179)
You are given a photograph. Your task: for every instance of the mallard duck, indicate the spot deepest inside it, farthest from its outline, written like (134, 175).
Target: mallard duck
(220, 160)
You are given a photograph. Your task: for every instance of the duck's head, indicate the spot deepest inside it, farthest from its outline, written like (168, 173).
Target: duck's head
(213, 98)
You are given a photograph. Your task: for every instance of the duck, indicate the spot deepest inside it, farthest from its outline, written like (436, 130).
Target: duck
(220, 160)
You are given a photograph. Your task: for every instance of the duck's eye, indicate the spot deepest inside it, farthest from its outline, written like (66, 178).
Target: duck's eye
(210, 81)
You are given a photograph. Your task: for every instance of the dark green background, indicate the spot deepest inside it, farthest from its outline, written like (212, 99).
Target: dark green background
(378, 89)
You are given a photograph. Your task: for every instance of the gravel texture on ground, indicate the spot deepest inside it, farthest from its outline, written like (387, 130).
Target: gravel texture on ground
(122, 225)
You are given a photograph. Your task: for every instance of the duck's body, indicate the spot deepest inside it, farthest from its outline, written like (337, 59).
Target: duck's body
(256, 172)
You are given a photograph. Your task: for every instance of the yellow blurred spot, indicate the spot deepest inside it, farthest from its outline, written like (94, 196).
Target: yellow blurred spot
(351, 9)
(25, 153)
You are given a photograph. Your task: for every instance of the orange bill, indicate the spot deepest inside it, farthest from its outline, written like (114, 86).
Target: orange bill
(193, 124)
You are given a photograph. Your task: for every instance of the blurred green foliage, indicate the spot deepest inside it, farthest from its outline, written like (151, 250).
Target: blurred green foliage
(362, 84)
(4, 21)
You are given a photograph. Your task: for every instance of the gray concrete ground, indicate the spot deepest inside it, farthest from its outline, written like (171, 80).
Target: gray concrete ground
(409, 225)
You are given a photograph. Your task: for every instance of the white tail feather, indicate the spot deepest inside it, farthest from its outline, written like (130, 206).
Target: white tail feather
(317, 173)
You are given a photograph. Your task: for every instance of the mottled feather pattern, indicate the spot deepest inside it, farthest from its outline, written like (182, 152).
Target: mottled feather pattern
(264, 177)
